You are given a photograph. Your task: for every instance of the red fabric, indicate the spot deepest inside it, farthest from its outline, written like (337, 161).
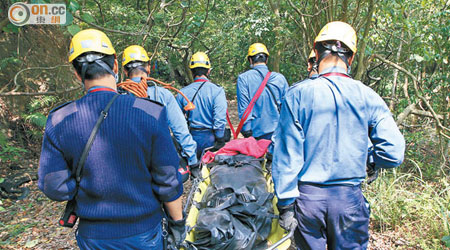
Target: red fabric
(247, 146)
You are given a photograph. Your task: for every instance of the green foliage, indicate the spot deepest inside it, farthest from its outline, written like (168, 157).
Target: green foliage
(37, 119)
(8, 62)
(446, 240)
(11, 154)
(407, 204)
(73, 6)
(14, 230)
(11, 28)
(73, 29)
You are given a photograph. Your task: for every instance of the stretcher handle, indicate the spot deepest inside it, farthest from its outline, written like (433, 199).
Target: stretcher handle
(281, 241)
(196, 181)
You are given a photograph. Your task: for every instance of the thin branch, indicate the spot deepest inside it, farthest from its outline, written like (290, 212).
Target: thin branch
(425, 113)
(416, 89)
(297, 10)
(159, 42)
(149, 17)
(40, 93)
(111, 30)
(194, 37)
(100, 9)
(53, 67)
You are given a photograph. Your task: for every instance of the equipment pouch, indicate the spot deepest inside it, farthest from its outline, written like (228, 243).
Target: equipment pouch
(69, 217)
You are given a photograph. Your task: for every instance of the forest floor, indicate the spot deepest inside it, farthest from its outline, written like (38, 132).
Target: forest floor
(31, 223)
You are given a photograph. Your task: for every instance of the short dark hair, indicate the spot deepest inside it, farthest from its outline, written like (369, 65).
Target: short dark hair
(94, 70)
(258, 58)
(135, 70)
(321, 49)
(199, 71)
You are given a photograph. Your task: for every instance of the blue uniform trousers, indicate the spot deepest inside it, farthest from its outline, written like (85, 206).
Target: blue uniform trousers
(336, 216)
(149, 240)
(204, 139)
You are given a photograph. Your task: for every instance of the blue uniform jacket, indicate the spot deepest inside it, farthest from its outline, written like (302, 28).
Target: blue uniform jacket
(210, 106)
(323, 137)
(175, 118)
(131, 168)
(265, 114)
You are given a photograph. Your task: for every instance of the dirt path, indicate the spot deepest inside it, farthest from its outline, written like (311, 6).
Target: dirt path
(32, 223)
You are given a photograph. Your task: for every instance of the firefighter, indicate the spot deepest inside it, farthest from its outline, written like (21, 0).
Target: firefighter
(320, 151)
(312, 66)
(131, 167)
(207, 121)
(136, 66)
(265, 114)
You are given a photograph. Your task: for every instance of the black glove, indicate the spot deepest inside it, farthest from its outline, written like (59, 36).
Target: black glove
(247, 134)
(195, 170)
(219, 143)
(287, 217)
(185, 172)
(177, 232)
(372, 172)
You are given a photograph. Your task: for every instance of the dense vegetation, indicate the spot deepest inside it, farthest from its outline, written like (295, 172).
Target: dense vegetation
(403, 54)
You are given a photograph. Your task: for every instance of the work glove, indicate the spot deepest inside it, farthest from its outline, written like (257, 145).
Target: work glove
(177, 232)
(219, 143)
(227, 135)
(247, 134)
(185, 172)
(195, 170)
(287, 218)
(372, 172)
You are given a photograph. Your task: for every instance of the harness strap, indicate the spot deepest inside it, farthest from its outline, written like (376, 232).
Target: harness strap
(271, 92)
(248, 111)
(188, 114)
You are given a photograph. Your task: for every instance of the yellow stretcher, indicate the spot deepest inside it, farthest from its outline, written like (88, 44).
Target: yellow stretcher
(278, 238)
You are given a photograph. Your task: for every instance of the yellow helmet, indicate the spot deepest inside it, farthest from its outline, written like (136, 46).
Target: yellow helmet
(134, 53)
(200, 59)
(338, 31)
(312, 55)
(257, 48)
(90, 40)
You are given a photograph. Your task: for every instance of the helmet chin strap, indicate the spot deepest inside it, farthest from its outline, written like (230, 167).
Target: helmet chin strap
(94, 58)
(136, 65)
(335, 49)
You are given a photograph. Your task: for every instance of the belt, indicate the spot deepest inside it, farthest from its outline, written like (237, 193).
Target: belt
(200, 129)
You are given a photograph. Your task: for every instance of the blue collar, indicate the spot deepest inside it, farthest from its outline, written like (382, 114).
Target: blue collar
(136, 79)
(260, 66)
(202, 78)
(334, 69)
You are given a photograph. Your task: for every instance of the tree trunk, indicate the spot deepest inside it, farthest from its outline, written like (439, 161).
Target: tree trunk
(394, 84)
(361, 58)
(276, 51)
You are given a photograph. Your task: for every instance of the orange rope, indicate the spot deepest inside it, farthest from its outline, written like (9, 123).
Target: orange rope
(189, 106)
(139, 89)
